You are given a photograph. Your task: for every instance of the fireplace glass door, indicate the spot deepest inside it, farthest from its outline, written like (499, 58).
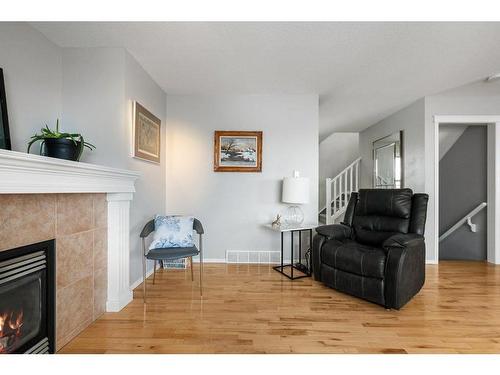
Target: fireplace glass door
(26, 311)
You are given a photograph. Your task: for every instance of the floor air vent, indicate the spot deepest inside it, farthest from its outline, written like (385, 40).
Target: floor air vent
(252, 256)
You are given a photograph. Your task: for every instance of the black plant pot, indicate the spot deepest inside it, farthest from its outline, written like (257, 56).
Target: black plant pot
(62, 149)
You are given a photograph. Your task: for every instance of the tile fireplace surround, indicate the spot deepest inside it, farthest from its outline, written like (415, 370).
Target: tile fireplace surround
(85, 208)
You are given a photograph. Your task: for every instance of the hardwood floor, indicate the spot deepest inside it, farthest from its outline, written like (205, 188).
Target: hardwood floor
(253, 309)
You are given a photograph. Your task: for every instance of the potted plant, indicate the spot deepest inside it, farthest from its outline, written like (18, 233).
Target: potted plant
(67, 146)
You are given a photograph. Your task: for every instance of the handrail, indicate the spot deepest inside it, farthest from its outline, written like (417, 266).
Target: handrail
(466, 219)
(346, 169)
(346, 181)
(333, 179)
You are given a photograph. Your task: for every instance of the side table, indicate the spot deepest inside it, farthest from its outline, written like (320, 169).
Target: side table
(305, 270)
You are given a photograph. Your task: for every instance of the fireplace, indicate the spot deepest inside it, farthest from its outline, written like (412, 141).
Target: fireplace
(27, 299)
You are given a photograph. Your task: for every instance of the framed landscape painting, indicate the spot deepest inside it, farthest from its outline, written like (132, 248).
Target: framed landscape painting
(146, 134)
(237, 151)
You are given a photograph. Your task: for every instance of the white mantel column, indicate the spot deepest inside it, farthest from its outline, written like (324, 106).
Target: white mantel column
(119, 292)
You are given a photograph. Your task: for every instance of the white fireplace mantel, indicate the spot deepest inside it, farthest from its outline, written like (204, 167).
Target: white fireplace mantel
(29, 173)
(22, 173)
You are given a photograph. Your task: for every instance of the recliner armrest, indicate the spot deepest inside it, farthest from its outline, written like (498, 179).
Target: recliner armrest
(335, 231)
(403, 241)
(404, 269)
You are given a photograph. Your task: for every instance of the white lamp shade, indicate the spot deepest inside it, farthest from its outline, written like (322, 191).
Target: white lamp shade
(295, 190)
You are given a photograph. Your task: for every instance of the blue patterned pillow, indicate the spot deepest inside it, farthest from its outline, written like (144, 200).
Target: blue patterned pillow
(172, 231)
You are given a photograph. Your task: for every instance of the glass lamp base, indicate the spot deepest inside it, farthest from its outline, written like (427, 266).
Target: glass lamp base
(293, 215)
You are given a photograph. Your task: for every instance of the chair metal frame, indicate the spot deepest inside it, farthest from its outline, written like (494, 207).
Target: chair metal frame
(150, 228)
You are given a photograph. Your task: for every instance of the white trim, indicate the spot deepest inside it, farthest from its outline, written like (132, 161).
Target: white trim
(493, 218)
(22, 173)
(138, 282)
(466, 119)
(245, 256)
(117, 197)
(436, 191)
(209, 260)
(119, 292)
(28, 173)
(493, 233)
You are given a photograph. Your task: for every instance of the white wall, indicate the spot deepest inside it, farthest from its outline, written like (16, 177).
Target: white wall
(336, 152)
(448, 136)
(150, 196)
(32, 72)
(93, 102)
(91, 90)
(234, 206)
(411, 121)
(99, 87)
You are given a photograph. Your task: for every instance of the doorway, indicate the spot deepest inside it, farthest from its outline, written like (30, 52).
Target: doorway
(463, 192)
(493, 181)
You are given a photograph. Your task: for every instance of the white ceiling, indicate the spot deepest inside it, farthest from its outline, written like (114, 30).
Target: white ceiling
(362, 71)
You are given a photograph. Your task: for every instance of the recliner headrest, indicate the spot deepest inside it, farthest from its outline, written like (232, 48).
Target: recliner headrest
(382, 202)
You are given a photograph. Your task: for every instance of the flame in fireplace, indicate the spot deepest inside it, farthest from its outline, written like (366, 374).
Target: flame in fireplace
(10, 329)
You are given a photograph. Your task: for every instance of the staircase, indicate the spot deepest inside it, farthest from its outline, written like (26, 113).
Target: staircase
(338, 192)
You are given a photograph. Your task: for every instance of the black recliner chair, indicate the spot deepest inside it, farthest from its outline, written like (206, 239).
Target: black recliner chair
(378, 252)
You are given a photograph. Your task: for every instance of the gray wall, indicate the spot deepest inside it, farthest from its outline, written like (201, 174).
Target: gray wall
(417, 120)
(336, 152)
(411, 121)
(462, 186)
(234, 206)
(478, 98)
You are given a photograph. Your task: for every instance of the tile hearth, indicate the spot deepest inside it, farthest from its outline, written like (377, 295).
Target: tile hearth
(78, 222)
(86, 209)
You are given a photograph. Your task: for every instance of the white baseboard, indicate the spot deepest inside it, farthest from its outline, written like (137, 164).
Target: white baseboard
(138, 282)
(431, 261)
(209, 260)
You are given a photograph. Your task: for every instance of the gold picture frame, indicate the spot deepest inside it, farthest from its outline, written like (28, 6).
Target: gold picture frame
(147, 134)
(237, 151)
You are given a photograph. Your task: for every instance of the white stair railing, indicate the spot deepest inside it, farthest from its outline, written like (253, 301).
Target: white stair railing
(466, 219)
(339, 189)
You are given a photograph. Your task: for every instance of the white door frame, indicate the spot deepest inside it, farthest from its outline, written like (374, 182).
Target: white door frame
(493, 179)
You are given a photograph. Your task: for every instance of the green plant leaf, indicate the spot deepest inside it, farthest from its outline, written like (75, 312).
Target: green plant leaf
(70, 136)
(80, 150)
(41, 147)
(30, 143)
(47, 133)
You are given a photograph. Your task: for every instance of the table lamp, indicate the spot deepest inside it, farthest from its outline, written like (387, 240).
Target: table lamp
(295, 191)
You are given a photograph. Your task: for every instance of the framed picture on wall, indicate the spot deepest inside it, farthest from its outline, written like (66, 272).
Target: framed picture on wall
(237, 151)
(147, 130)
(4, 119)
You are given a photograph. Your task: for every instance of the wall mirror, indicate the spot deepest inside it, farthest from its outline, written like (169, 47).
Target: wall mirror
(388, 162)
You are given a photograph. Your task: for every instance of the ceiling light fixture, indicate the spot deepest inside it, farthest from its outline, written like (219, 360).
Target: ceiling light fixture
(493, 77)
